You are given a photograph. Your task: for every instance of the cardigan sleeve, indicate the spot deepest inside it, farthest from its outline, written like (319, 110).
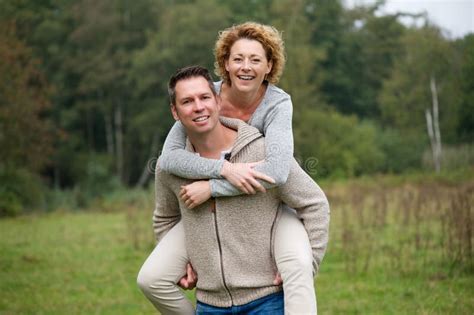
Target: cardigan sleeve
(166, 213)
(312, 207)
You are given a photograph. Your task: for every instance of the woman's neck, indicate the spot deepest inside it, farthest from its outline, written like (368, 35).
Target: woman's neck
(243, 99)
(240, 104)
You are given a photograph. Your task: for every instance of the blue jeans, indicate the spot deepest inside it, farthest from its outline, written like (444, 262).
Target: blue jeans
(271, 304)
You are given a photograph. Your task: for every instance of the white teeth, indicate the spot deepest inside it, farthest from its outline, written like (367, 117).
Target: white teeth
(245, 77)
(202, 118)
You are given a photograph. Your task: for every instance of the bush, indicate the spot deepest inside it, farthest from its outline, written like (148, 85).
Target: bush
(20, 190)
(337, 145)
(403, 150)
(97, 179)
(452, 157)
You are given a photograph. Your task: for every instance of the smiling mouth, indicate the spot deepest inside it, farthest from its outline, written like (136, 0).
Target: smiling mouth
(201, 118)
(246, 77)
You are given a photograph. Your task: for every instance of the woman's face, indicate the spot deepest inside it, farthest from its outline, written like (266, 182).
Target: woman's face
(247, 65)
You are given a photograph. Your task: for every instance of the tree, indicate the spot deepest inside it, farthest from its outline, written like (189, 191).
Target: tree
(303, 58)
(427, 58)
(182, 38)
(465, 128)
(25, 136)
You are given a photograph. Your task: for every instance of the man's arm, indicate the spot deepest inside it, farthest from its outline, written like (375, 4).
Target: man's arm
(304, 195)
(166, 213)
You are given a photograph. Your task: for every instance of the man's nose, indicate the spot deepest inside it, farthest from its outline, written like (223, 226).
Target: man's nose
(198, 106)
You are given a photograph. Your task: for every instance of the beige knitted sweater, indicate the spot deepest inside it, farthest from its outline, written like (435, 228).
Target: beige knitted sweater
(231, 248)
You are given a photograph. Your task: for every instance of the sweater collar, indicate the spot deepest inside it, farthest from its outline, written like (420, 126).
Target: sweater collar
(245, 134)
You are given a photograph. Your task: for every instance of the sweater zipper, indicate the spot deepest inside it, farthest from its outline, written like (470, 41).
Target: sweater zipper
(220, 256)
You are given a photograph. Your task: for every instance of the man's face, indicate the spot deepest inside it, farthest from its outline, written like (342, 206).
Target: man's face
(196, 106)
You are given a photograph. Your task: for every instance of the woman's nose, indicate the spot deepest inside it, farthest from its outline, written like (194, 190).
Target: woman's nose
(246, 65)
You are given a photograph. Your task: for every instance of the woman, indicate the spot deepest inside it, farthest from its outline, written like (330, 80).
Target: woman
(250, 60)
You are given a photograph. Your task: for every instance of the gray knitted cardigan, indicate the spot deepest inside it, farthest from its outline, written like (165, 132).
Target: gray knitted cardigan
(273, 118)
(231, 248)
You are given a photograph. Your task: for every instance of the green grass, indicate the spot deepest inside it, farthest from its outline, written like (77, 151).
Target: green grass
(74, 263)
(86, 262)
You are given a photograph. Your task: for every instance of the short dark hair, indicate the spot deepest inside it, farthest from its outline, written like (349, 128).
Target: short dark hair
(186, 73)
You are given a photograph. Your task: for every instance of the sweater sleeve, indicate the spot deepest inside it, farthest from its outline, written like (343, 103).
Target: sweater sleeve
(278, 133)
(312, 207)
(180, 162)
(166, 213)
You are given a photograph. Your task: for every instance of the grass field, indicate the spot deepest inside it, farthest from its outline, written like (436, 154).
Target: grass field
(393, 250)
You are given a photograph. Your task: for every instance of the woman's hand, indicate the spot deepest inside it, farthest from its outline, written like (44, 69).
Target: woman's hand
(244, 177)
(195, 193)
(189, 280)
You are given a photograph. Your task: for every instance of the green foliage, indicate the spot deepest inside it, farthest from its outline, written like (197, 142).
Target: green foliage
(406, 94)
(25, 137)
(403, 151)
(465, 128)
(20, 191)
(96, 179)
(459, 157)
(343, 146)
(83, 84)
(303, 57)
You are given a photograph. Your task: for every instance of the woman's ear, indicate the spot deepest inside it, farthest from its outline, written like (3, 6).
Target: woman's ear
(270, 66)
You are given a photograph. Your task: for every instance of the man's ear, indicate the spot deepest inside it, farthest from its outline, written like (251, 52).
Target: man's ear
(174, 112)
(219, 102)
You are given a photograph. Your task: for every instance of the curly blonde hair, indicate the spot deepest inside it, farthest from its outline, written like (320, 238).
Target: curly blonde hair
(268, 36)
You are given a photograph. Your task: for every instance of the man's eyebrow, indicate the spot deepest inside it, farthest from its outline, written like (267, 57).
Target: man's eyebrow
(184, 99)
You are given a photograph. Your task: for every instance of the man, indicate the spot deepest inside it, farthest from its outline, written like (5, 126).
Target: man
(228, 240)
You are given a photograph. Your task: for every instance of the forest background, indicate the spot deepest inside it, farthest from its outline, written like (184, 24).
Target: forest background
(84, 112)
(85, 107)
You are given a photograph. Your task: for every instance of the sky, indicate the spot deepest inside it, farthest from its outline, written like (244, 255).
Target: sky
(454, 16)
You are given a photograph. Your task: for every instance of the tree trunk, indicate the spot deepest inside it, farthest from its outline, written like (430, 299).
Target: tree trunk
(109, 130)
(89, 130)
(432, 123)
(429, 125)
(150, 165)
(437, 134)
(119, 140)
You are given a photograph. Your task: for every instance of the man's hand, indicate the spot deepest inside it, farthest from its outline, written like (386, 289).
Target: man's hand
(196, 193)
(244, 177)
(189, 280)
(278, 280)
